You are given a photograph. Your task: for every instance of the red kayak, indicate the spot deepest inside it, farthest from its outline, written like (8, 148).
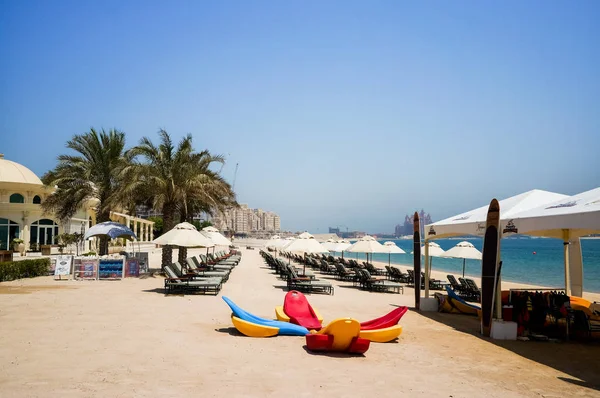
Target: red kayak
(390, 319)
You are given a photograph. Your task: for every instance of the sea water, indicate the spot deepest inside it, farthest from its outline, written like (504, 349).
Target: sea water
(524, 260)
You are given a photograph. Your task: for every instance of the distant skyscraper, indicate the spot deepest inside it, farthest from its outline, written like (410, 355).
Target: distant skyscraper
(407, 227)
(244, 220)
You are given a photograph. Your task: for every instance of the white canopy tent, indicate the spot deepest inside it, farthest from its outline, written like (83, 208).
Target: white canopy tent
(568, 219)
(473, 222)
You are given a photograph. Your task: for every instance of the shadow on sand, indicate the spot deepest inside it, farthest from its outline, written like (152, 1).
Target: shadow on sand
(577, 359)
(332, 354)
(230, 331)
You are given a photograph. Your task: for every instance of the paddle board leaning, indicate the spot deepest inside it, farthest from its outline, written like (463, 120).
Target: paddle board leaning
(489, 266)
(417, 259)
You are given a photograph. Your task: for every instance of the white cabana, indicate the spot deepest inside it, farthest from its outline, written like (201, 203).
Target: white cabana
(473, 222)
(568, 219)
(464, 250)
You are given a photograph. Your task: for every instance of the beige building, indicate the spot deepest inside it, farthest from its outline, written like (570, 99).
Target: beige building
(21, 214)
(245, 220)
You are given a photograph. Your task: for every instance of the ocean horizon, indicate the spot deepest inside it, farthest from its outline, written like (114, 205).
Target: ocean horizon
(524, 260)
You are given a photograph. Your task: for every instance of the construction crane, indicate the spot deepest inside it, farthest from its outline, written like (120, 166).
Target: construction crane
(234, 177)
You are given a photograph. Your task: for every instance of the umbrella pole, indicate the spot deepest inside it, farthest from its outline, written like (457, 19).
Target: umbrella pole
(304, 265)
(464, 261)
(389, 259)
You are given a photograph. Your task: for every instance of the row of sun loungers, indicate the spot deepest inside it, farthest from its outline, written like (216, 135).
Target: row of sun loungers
(200, 274)
(364, 275)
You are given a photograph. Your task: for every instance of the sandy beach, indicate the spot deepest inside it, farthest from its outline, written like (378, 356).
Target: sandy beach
(125, 338)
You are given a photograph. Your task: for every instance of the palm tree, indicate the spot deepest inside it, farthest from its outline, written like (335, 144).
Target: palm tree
(178, 180)
(93, 174)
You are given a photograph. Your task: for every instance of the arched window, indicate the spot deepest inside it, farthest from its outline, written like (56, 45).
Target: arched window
(37, 200)
(9, 230)
(44, 232)
(16, 198)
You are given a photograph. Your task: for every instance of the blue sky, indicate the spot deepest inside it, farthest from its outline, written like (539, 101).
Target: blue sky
(338, 113)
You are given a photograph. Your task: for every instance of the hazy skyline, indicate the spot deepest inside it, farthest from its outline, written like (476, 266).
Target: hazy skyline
(338, 113)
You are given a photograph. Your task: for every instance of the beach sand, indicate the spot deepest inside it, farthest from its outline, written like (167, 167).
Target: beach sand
(125, 338)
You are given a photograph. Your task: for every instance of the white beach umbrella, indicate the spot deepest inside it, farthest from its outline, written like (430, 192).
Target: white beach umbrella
(185, 235)
(390, 248)
(215, 236)
(330, 244)
(367, 244)
(305, 235)
(463, 250)
(434, 250)
(342, 246)
(306, 245)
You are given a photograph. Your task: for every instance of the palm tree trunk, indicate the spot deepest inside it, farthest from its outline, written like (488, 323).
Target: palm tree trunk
(182, 255)
(168, 224)
(103, 247)
(167, 256)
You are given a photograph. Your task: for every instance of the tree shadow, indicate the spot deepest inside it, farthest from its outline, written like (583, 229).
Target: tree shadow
(575, 358)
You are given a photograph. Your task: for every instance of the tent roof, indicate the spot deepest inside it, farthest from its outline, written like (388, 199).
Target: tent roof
(473, 222)
(578, 213)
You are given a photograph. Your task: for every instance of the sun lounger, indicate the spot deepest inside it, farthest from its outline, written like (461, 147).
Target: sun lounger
(176, 266)
(367, 282)
(173, 283)
(308, 285)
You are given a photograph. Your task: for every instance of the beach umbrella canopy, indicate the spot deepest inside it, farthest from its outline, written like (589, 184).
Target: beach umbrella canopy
(305, 235)
(215, 236)
(330, 244)
(184, 235)
(391, 247)
(434, 250)
(305, 245)
(342, 245)
(463, 250)
(367, 244)
(111, 229)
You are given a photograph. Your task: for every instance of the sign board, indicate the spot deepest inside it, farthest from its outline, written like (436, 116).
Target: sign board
(63, 265)
(110, 268)
(87, 269)
(132, 268)
(144, 262)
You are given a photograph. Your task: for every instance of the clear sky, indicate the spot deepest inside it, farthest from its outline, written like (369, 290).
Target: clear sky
(349, 113)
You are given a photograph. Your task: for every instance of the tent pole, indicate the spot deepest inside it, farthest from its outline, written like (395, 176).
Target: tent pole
(427, 270)
(566, 254)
